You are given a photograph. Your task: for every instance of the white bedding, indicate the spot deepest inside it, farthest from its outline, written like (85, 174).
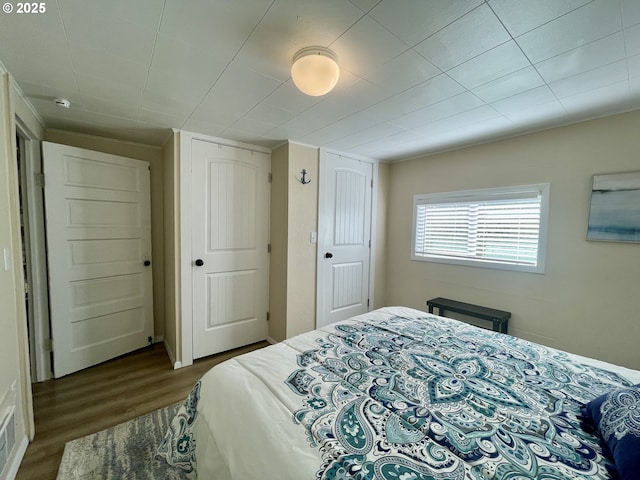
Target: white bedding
(266, 415)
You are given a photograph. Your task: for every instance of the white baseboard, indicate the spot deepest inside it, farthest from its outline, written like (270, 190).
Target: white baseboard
(158, 339)
(172, 356)
(271, 341)
(12, 468)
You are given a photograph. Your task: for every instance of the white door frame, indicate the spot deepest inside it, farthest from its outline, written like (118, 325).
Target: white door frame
(374, 214)
(186, 254)
(40, 351)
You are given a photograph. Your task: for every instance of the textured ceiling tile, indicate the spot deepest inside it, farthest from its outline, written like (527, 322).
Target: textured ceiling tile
(525, 100)
(438, 111)
(599, 77)
(587, 57)
(475, 33)
(521, 16)
(101, 30)
(517, 82)
(268, 52)
(630, 12)
(133, 68)
(310, 23)
(419, 19)
(213, 25)
(491, 65)
(402, 72)
(366, 46)
(586, 24)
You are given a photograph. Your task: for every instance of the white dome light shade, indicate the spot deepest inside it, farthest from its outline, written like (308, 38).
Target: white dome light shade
(315, 71)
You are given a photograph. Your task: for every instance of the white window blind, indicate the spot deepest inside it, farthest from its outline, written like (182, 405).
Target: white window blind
(500, 228)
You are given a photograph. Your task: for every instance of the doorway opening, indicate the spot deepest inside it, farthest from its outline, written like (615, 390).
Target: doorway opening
(34, 263)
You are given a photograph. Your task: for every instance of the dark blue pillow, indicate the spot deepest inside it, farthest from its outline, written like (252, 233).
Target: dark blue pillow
(616, 416)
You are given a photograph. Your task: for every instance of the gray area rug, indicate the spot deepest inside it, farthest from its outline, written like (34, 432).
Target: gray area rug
(126, 451)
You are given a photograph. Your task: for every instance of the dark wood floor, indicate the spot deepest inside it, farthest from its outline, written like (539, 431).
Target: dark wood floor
(103, 396)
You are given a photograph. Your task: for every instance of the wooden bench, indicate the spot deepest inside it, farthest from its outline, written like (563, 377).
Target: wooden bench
(499, 318)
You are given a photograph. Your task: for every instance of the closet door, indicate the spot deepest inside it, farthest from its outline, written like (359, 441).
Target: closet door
(344, 238)
(230, 236)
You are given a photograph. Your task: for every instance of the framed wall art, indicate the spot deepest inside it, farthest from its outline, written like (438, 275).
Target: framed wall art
(614, 214)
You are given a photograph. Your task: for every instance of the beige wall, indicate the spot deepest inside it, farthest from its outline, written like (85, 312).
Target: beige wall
(302, 254)
(279, 231)
(294, 215)
(380, 234)
(293, 262)
(153, 155)
(587, 301)
(171, 198)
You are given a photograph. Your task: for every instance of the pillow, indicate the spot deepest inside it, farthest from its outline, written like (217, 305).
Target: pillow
(616, 416)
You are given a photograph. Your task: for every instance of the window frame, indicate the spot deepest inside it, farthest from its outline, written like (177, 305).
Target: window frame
(462, 196)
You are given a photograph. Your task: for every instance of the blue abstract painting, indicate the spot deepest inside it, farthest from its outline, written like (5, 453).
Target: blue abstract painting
(615, 208)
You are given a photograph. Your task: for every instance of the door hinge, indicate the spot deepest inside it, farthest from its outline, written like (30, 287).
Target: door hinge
(268, 248)
(369, 243)
(47, 345)
(367, 302)
(372, 183)
(268, 316)
(270, 177)
(38, 179)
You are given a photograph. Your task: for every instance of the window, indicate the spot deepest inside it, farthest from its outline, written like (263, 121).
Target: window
(496, 228)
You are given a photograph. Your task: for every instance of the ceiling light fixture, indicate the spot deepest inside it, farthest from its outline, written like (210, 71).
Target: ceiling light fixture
(315, 70)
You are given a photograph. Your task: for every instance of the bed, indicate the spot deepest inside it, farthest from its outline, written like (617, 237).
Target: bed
(399, 394)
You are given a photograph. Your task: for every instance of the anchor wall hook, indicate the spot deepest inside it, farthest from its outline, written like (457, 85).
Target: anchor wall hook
(304, 180)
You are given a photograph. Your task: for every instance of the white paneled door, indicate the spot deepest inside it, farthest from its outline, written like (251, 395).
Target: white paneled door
(98, 228)
(230, 235)
(344, 236)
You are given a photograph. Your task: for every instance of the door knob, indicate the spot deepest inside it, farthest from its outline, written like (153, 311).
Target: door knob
(147, 263)
(328, 255)
(199, 262)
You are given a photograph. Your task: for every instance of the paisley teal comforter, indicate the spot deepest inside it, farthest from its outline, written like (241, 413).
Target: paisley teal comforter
(395, 394)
